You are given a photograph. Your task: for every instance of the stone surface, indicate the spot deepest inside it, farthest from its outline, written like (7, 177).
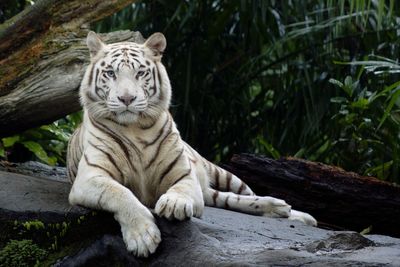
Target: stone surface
(27, 197)
(36, 169)
(225, 238)
(220, 237)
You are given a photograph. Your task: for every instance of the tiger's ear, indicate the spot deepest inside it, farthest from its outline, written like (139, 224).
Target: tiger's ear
(156, 43)
(94, 43)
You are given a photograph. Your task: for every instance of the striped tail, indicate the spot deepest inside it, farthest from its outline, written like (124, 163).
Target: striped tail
(222, 180)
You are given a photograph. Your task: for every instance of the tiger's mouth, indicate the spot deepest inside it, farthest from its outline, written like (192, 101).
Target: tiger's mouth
(129, 110)
(127, 116)
(126, 112)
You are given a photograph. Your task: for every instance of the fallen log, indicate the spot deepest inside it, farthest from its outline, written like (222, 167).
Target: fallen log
(332, 195)
(43, 57)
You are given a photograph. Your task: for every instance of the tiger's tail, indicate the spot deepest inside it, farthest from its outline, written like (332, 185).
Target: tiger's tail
(224, 181)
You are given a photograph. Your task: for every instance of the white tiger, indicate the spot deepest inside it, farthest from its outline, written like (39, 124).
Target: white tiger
(128, 156)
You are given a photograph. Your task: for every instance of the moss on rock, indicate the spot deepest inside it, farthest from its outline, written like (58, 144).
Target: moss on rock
(22, 253)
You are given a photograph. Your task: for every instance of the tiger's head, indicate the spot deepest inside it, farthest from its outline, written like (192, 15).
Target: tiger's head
(126, 82)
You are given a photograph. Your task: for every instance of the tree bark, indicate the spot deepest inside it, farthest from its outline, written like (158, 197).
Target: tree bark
(43, 57)
(332, 195)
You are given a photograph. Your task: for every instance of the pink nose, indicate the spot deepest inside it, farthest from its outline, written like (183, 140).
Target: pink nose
(127, 99)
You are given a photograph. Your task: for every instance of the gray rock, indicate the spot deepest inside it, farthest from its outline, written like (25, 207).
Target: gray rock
(340, 241)
(219, 238)
(28, 197)
(36, 169)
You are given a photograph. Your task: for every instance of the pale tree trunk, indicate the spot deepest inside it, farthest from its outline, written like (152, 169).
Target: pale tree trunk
(43, 57)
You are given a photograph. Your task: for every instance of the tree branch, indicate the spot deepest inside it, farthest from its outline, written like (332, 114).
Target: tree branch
(43, 57)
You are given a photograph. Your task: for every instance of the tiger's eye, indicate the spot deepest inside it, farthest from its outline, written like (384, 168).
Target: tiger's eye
(111, 73)
(140, 73)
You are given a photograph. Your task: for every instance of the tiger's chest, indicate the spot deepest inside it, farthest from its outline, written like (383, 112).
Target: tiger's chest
(135, 158)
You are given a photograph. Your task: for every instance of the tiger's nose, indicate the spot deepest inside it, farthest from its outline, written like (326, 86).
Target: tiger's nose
(127, 99)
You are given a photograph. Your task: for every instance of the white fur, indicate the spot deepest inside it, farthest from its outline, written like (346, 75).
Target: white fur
(128, 157)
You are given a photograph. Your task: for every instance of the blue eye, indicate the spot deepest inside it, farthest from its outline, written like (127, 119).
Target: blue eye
(140, 73)
(110, 73)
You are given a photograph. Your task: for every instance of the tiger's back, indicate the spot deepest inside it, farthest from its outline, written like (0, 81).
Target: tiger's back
(74, 153)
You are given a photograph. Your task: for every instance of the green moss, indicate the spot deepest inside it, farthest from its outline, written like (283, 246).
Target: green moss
(66, 250)
(21, 253)
(57, 239)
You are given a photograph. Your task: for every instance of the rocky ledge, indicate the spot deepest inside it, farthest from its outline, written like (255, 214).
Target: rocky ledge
(36, 208)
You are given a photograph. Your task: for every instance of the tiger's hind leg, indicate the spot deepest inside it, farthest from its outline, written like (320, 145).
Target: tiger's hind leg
(263, 206)
(256, 205)
(238, 196)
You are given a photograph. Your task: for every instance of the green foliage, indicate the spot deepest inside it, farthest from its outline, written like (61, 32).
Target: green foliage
(21, 253)
(313, 79)
(268, 77)
(47, 143)
(363, 133)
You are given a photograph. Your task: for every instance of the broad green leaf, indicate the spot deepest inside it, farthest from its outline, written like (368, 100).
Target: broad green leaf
(348, 81)
(350, 118)
(2, 152)
(10, 141)
(361, 103)
(60, 134)
(300, 153)
(336, 82)
(75, 118)
(39, 152)
(348, 86)
(321, 150)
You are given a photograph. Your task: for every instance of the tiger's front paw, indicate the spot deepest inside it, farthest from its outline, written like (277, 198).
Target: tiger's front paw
(172, 205)
(274, 207)
(141, 238)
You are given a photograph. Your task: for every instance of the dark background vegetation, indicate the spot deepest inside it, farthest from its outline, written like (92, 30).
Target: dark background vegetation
(312, 79)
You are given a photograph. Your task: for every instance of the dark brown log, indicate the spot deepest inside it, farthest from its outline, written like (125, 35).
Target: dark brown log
(332, 195)
(42, 59)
